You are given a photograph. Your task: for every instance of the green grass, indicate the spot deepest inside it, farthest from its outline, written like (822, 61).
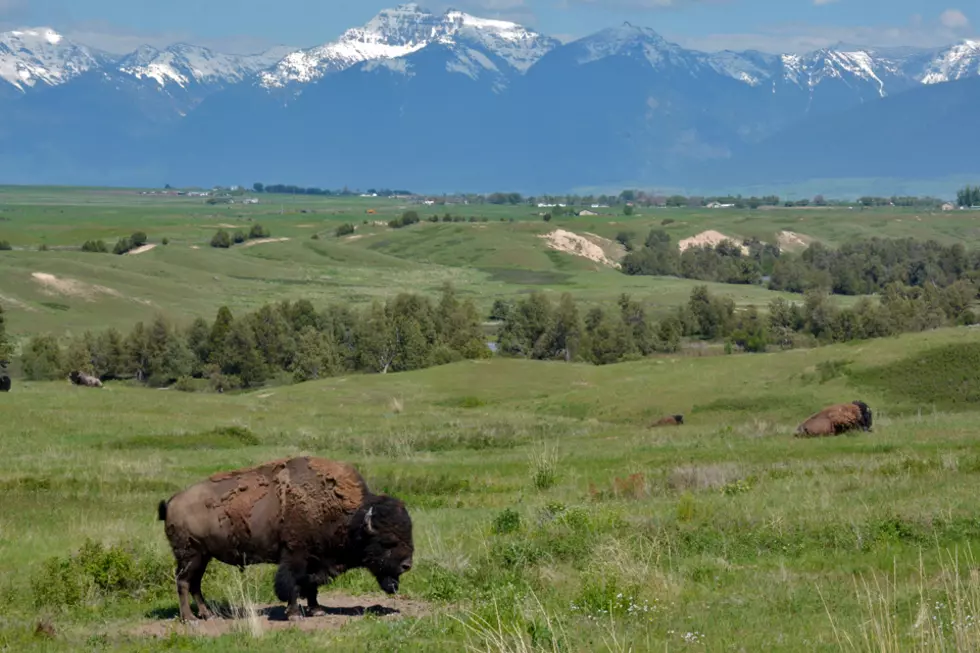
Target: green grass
(547, 515)
(539, 497)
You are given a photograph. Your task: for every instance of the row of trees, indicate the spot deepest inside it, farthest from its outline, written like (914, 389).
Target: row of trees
(857, 268)
(538, 329)
(290, 189)
(969, 196)
(285, 339)
(223, 240)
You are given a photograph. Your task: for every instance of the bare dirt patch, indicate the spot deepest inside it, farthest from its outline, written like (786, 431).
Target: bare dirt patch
(571, 243)
(225, 225)
(53, 285)
(711, 238)
(341, 609)
(790, 240)
(16, 303)
(263, 241)
(141, 250)
(354, 237)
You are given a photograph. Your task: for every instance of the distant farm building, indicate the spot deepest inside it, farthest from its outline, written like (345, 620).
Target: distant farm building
(587, 212)
(719, 205)
(949, 206)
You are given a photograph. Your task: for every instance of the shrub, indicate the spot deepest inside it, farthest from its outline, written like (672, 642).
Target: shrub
(239, 237)
(138, 239)
(165, 241)
(221, 239)
(123, 245)
(258, 231)
(96, 574)
(5, 246)
(507, 521)
(96, 246)
(433, 218)
(343, 230)
(547, 217)
(43, 247)
(315, 237)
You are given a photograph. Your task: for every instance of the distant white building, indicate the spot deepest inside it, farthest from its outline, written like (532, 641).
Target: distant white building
(587, 213)
(719, 205)
(250, 200)
(949, 206)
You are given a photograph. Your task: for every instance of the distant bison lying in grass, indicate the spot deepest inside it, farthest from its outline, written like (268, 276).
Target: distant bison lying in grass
(837, 419)
(670, 420)
(314, 518)
(81, 378)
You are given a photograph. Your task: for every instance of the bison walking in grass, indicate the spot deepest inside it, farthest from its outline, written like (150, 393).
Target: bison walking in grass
(670, 420)
(4, 383)
(83, 379)
(837, 419)
(314, 518)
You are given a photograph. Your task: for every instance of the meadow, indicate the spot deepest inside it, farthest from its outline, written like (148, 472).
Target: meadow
(548, 514)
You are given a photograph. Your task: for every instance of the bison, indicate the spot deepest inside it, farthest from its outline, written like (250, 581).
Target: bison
(670, 420)
(4, 383)
(837, 419)
(314, 518)
(81, 378)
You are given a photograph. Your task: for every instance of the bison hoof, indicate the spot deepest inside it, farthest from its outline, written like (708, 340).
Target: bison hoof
(318, 612)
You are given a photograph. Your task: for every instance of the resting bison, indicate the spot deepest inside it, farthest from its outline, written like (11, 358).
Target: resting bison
(835, 420)
(670, 420)
(81, 378)
(314, 518)
(4, 383)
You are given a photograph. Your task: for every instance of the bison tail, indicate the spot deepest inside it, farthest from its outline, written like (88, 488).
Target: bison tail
(162, 511)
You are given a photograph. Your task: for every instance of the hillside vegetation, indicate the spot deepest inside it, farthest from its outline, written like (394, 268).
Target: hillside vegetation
(548, 514)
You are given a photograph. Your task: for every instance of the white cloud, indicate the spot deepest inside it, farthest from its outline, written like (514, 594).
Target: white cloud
(954, 19)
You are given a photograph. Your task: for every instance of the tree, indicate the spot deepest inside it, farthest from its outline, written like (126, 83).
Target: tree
(221, 239)
(316, 356)
(376, 342)
(628, 210)
(241, 357)
(258, 231)
(258, 187)
(42, 359)
(219, 332)
(565, 335)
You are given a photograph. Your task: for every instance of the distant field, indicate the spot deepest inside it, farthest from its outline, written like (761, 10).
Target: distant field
(487, 260)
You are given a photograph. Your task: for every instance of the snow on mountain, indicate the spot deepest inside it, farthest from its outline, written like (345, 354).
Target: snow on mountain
(630, 41)
(959, 61)
(184, 64)
(29, 57)
(402, 31)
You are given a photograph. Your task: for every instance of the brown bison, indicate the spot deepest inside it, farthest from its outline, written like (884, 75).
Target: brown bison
(837, 419)
(670, 420)
(314, 518)
(4, 383)
(81, 378)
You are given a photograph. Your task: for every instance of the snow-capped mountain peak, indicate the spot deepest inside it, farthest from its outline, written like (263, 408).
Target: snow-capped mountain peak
(404, 30)
(41, 55)
(184, 64)
(959, 61)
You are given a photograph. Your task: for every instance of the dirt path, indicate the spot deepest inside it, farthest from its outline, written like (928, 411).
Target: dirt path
(262, 241)
(70, 287)
(141, 250)
(341, 609)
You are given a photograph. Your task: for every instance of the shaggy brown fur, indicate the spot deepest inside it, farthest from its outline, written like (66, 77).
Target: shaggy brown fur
(837, 419)
(81, 378)
(670, 420)
(315, 518)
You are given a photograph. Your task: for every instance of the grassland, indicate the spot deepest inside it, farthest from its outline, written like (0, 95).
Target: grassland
(548, 515)
(500, 258)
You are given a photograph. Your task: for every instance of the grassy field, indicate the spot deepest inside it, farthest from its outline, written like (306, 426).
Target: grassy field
(548, 515)
(503, 257)
(540, 496)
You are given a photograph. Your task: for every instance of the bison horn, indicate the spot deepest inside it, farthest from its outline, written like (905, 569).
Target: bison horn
(367, 521)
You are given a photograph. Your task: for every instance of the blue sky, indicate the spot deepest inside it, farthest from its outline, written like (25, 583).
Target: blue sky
(248, 25)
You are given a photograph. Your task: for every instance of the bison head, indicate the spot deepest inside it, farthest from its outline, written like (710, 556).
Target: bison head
(865, 415)
(382, 539)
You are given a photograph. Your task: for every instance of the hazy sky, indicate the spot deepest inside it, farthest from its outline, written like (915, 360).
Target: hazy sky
(249, 25)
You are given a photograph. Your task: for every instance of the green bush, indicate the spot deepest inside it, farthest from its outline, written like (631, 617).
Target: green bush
(96, 246)
(5, 246)
(343, 230)
(258, 231)
(221, 239)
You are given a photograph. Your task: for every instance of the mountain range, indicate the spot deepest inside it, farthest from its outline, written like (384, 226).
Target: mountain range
(449, 101)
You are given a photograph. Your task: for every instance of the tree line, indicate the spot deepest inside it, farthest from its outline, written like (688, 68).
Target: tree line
(537, 328)
(293, 342)
(968, 196)
(856, 268)
(285, 340)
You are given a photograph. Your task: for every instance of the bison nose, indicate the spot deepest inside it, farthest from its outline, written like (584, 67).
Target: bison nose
(406, 566)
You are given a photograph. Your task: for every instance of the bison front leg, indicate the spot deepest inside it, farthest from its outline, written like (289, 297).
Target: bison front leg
(310, 590)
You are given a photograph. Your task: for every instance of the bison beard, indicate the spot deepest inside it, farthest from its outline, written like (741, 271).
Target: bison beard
(313, 517)
(837, 419)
